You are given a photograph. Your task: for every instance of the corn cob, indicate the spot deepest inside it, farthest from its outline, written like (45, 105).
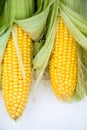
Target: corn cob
(14, 87)
(63, 64)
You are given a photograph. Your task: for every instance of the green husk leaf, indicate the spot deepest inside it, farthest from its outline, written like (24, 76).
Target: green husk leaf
(37, 47)
(39, 3)
(3, 42)
(2, 3)
(79, 37)
(27, 8)
(21, 10)
(45, 3)
(79, 6)
(15, 39)
(80, 88)
(7, 18)
(39, 6)
(78, 20)
(36, 24)
(3, 19)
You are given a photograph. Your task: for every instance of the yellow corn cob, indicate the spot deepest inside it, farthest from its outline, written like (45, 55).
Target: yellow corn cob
(15, 89)
(63, 64)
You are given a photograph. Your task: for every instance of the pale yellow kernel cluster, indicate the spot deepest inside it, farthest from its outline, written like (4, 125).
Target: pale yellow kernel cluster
(63, 64)
(15, 89)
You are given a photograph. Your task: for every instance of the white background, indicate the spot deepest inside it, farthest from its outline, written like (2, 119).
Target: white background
(45, 112)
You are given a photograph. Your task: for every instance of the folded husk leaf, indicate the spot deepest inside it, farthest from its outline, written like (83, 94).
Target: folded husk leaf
(78, 20)
(15, 39)
(36, 24)
(79, 6)
(3, 41)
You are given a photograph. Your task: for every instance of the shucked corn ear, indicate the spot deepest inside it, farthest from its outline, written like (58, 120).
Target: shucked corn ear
(63, 64)
(14, 87)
